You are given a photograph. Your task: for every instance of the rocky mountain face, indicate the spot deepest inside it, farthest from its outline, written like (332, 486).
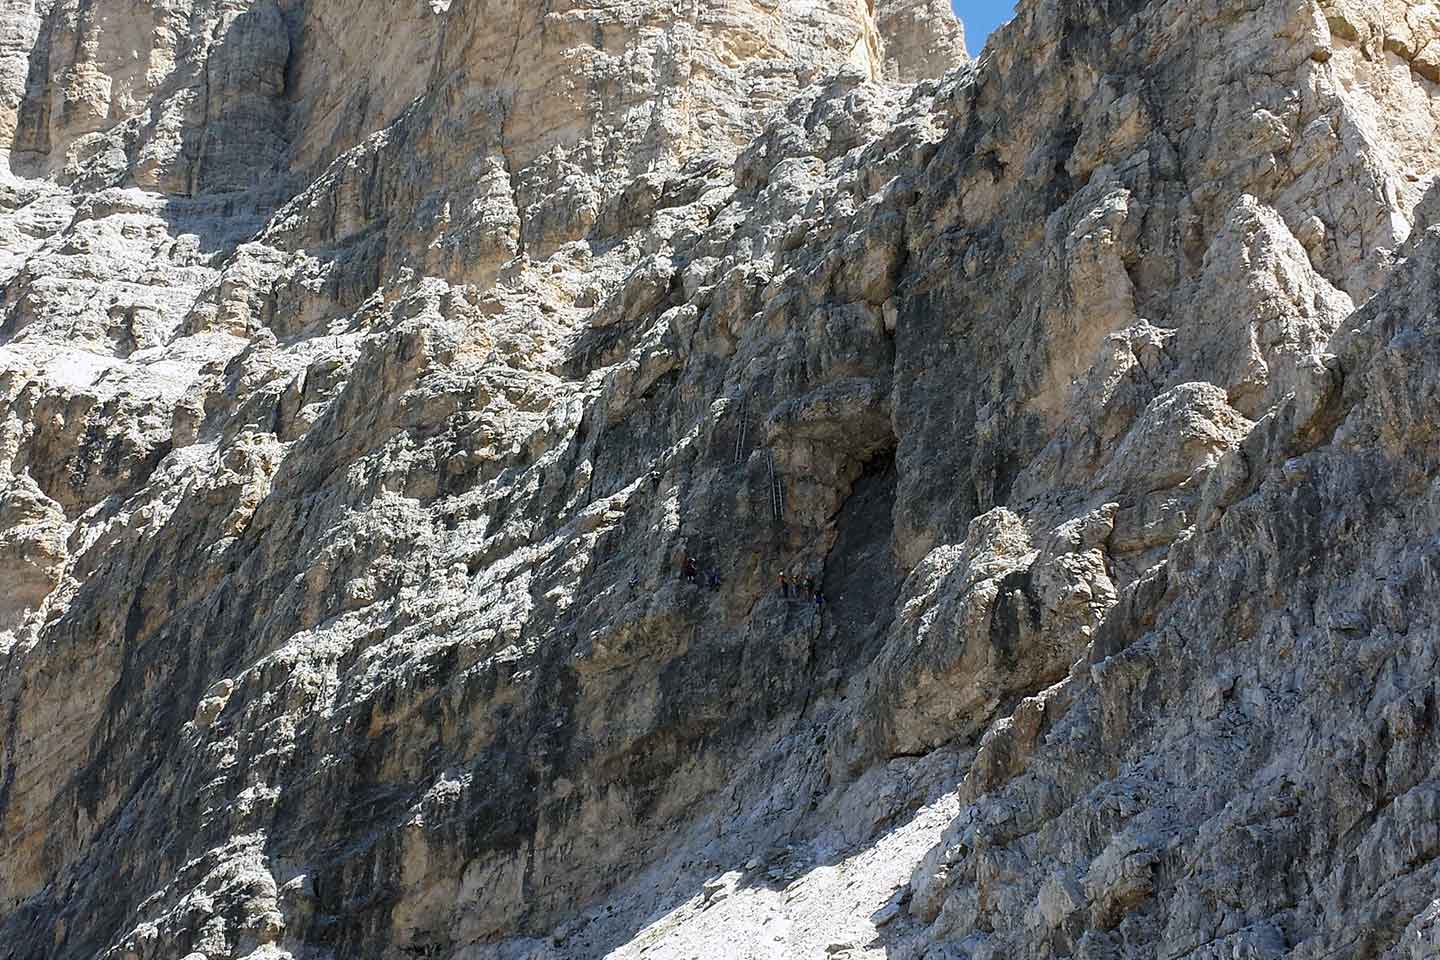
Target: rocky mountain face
(408, 412)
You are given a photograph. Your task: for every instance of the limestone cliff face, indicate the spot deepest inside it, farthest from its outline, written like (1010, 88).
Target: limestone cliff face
(922, 38)
(369, 372)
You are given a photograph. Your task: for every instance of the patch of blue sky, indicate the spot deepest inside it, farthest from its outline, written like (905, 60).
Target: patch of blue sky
(981, 17)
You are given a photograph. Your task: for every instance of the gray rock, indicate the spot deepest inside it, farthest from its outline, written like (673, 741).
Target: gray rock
(373, 377)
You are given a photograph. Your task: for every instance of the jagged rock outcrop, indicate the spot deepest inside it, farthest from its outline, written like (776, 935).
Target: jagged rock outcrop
(407, 413)
(922, 38)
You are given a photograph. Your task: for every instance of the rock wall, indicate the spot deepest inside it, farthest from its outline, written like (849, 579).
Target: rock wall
(922, 38)
(407, 414)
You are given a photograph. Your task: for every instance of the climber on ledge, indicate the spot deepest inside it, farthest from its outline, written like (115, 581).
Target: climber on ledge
(689, 570)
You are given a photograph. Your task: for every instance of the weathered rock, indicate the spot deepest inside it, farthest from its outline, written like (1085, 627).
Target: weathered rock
(408, 411)
(922, 38)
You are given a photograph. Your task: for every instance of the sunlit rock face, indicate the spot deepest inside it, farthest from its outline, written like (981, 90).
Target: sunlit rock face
(498, 480)
(922, 38)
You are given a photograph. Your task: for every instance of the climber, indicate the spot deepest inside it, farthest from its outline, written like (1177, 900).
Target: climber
(809, 588)
(819, 600)
(689, 569)
(655, 478)
(784, 586)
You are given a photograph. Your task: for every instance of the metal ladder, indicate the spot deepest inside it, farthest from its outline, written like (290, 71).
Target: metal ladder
(777, 491)
(743, 432)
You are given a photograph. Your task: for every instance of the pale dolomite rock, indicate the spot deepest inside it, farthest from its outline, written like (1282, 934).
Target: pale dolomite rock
(370, 371)
(922, 38)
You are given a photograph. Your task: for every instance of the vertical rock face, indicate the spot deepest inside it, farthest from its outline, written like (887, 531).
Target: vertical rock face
(486, 479)
(922, 38)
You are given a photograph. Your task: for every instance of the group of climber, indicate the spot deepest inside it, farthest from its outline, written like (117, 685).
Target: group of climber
(792, 588)
(802, 589)
(710, 579)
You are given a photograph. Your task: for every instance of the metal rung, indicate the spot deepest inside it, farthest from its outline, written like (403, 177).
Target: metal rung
(777, 491)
